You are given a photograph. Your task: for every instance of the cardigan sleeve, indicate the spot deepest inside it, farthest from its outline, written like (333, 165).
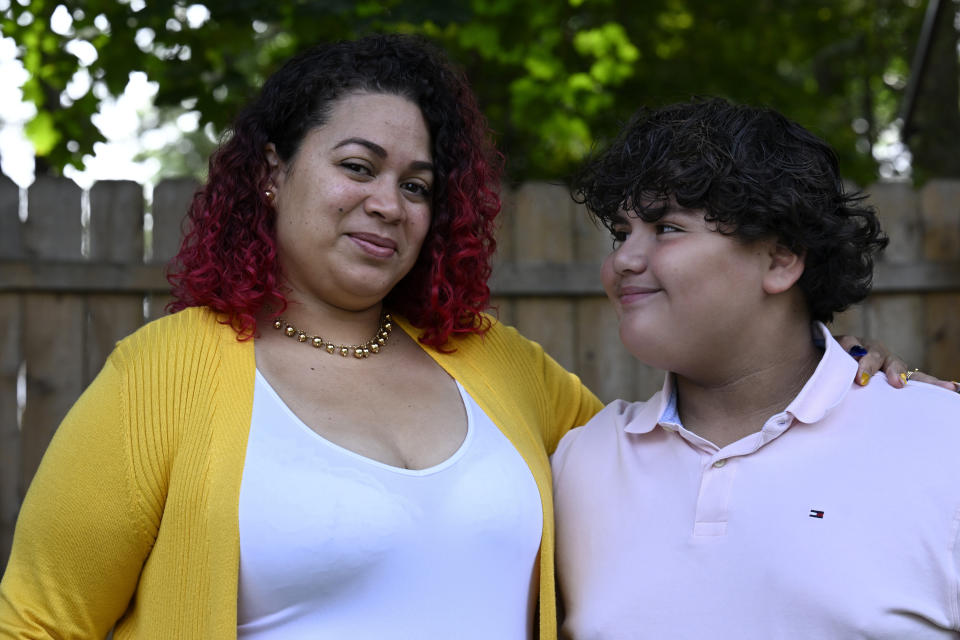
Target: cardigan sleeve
(524, 374)
(569, 402)
(83, 533)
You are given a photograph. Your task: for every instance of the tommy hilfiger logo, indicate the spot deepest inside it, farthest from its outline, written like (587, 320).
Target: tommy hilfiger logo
(816, 514)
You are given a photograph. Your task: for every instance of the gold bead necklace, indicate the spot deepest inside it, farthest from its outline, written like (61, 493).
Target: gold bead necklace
(373, 345)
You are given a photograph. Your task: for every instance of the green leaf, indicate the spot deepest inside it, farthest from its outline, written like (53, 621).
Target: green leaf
(42, 132)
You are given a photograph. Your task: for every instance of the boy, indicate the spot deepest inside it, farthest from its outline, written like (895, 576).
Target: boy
(759, 494)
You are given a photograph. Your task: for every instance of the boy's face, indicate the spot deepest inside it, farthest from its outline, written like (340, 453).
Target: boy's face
(685, 293)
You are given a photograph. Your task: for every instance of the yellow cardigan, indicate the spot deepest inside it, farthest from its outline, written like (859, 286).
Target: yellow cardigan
(132, 516)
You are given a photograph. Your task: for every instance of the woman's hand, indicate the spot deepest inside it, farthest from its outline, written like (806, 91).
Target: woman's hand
(873, 356)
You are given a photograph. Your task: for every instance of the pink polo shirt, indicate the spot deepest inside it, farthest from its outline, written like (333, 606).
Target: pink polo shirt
(839, 519)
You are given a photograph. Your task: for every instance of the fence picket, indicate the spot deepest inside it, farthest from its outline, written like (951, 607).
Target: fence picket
(502, 306)
(171, 199)
(11, 491)
(10, 358)
(116, 235)
(898, 319)
(940, 208)
(10, 246)
(542, 233)
(53, 322)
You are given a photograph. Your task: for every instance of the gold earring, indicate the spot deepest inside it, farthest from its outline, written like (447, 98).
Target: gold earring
(270, 194)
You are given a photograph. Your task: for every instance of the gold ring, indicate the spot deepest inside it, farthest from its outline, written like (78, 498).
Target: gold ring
(911, 372)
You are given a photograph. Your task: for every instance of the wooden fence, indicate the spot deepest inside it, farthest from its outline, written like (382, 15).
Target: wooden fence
(73, 280)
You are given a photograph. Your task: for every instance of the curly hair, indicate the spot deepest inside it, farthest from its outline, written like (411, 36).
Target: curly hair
(755, 174)
(228, 258)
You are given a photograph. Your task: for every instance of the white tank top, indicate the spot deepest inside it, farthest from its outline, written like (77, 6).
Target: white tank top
(337, 545)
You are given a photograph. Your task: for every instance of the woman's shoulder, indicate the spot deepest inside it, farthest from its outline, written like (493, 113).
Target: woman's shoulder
(191, 331)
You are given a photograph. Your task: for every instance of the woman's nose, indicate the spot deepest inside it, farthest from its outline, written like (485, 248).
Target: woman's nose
(384, 200)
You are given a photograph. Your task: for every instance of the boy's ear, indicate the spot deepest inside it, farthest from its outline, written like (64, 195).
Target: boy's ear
(784, 270)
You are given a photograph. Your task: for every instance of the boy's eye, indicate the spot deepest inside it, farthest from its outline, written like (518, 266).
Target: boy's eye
(664, 227)
(619, 237)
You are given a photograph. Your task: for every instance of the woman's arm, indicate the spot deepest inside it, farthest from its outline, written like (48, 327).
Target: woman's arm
(571, 401)
(82, 535)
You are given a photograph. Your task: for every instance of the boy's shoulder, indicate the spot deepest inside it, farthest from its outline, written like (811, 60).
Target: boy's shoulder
(614, 421)
(917, 406)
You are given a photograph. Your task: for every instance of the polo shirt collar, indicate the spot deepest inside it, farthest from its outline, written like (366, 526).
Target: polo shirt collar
(829, 384)
(826, 388)
(661, 408)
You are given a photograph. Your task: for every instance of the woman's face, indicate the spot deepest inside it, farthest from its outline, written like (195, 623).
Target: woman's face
(353, 205)
(684, 292)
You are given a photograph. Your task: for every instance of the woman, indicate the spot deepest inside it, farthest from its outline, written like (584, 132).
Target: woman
(281, 457)
(207, 487)
(759, 494)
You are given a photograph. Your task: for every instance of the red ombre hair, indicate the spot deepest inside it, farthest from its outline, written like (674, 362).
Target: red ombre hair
(228, 258)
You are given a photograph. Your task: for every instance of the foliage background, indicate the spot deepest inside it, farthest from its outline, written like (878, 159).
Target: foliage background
(554, 77)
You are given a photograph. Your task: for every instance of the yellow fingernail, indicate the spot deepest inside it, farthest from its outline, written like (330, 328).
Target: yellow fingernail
(903, 378)
(864, 379)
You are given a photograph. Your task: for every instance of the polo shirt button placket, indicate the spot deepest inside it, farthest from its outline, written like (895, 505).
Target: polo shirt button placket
(713, 499)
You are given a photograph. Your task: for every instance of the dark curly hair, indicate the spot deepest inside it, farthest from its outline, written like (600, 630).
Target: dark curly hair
(755, 174)
(228, 259)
